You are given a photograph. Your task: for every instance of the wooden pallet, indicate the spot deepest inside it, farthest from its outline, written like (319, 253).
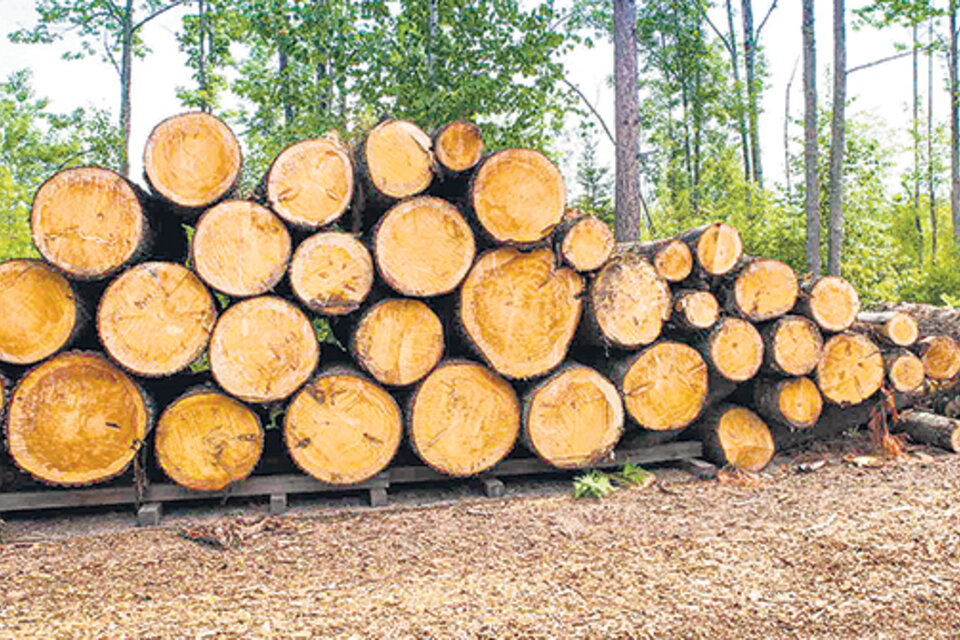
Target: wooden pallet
(278, 487)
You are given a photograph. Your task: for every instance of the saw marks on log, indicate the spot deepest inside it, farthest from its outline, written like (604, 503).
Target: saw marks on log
(331, 273)
(398, 341)
(38, 311)
(399, 158)
(666, 386)
(311, 183)
(629, 302)
(851, 368)
(459, 146)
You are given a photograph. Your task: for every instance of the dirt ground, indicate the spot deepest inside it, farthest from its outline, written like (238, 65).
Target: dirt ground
(840, 552)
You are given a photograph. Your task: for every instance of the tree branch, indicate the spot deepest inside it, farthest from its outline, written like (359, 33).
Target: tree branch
(592, 109)
(723, 39)
(763, 22)
(106, 49)
(867, 65)
(159, 12)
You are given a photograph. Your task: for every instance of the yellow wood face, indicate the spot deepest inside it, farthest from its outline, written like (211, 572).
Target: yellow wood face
(666, 386)
(851, 368)
(737, 350)
(399, 158)
(332, 273)
(800, 402)
(311, 183)
(460, 146)
(941, 358)
(745, 439)
(674, 262)
(766, 289)
(588, 244)
(797, 346)
(399, 341)
(834, 303)
(630, 301)
(719, 248)
(38, 312)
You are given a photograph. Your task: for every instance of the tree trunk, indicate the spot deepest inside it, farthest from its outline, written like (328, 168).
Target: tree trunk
(786, 131)
(851, 369)
(795, 402)
(627, 114)
(156, 319)
(738, 88)
(463, 418)
(893, 327)
(916, 147)
(736, 437)
(929, 429)
(837, 124)
(810, 152)
(930, 182)
(904, 371)
(342, 428)
(734, 348)
(206, 441)
(791, 346)
(126, 68)
(76, 420)
(585, 243)
(749, 57)
(331, 273)
(831, 302)
(764, 289)
(941, 356)
(954, 130)
(201, 55)
(398, 341)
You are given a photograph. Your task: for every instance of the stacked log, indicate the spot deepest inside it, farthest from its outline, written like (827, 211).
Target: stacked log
(471, 312)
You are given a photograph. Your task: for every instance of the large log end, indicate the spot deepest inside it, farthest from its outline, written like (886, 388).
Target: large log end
(851, 369)
(587, 244)
(629, 301)
(399, 158)
(331, 273)
(310, 184)
(735, 348)
(398, 341)
(765, 289)
(38, 311)
(665, 386)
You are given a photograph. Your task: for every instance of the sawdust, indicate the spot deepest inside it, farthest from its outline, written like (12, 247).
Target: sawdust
(837, 552)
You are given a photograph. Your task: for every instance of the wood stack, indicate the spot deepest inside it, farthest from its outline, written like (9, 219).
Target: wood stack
(473, 311)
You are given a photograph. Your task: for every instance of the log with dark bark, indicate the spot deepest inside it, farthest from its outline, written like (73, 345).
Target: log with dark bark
(156, 318)
(792, 346)
(851, 369)
(423, 247)
(463, 418)
(892, 327)
(39, 312)
(76, 419)
(627, 303)
(572, 419)
(694, 310)
(206, 441)
(831, 302)
(518, 196)
(795, 402)
(717, 247)
(240, 248)
(734, 349)
(735, 436)
(904, 371)
(929, 428)
(396, 160)
(263, 349)
(585, 243)
(398, 341)
(764, 289)
(192, 161)
(331, 273)
(311, 183)
(941, 356)
(458, 146)
(671, 258)
(342, 427)
(519, 311)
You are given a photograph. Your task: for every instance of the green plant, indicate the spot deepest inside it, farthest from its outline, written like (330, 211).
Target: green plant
(592, 484)
(633, 475)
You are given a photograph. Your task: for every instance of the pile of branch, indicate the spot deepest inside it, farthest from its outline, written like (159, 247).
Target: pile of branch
(472, 311)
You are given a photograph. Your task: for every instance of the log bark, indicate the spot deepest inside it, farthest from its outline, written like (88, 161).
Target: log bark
(851, 369)
(192, 161)
(737, 437)
(795, 402)
(891, 327)
(764, 289)
(585, 243)
(331, 273)
(263, 349)
(734, 349)
(694, 310)
(519, 311)
(831, 302)
(396, 160)
(39, 312)
(76, 419)
(671, 257)
(398, 341)
(458, 146)
(240, 248)
(206, 441)
(572, 419)
(156, 318)
(905, 371)
(423, 247)
(342, 428)
(940, 355)
(930, 429)
(463, 418)
(310, 184)
(792, 346)
(717, 247)
(518, 196)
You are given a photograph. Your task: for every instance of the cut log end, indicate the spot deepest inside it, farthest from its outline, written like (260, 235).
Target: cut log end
(519, 196)
(331, 273)
(240, 248)
(795, 345)
(736, 349)
(88, 222)
(76, 419)
(743, 440)
(263, 349)
(520, 311)
(398, 341)
(192, 160)
(464, 419)
(719, 248)
(905, 372)
(851, 369)
(697, 310)
(424, 247)
(399, 158)
(674, 261)
(833, 303)
(156, 318)
(765, 289)
(574, 419)
(901, 329)
(941, 357)
(630, 302)
(587, 244)
(343, 428)
(799, 402)
(666, 386)
(459, 146)
(38, 312)
(206, 441)
(310, 184)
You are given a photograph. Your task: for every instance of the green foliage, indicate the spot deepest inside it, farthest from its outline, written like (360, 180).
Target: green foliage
(594, 181)
(592, 484)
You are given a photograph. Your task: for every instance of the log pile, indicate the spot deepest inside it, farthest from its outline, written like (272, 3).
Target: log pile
(473, 311)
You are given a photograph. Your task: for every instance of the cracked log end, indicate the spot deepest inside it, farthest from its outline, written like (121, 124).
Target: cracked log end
(423, 247)
(398, 341)
(794, 344)
(629, 301)
(192, 160)
(519, 196)
(851, 369)
(87, 222)
(263, 349)
(520, 311)
(156, 318)
(459, 146)
(76, 419)
(906, 372)
(666, 386)
(696, 310)
(735, 349)
(799, 402)
(399, 158)
(719, 248)
(206, 441)
(38, 312)
(674, 261)
(941, 357)
(464, 419)
(342, 428)
(331, 273)
(765, 289)
(901, 329)
(737, 437)
(587, 244)
(310, 184)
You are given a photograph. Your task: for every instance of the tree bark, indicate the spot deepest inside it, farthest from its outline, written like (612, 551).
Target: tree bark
(810, 152)
(201, 55)
(741, 119)
(749, 56)
(125, 107)
(627, 226)
(929, 428)
(954, 130)
(837, 139)
(930, 184)
(786, 131)
(916, 148)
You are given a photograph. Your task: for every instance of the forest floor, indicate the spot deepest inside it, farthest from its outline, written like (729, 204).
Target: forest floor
(840, 552)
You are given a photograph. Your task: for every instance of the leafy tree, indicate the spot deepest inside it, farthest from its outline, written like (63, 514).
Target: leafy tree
(593, 180)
